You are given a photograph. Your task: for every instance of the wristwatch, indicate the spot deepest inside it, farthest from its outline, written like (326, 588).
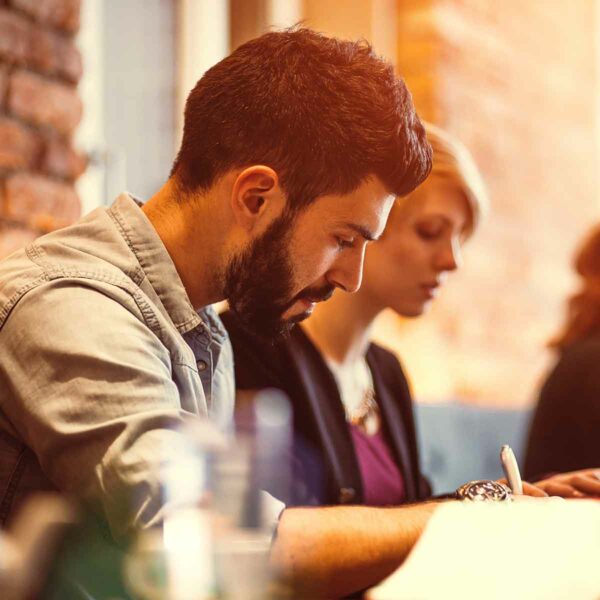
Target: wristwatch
(484, 491)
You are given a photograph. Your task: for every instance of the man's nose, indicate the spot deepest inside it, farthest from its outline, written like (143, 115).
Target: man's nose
(346, 272)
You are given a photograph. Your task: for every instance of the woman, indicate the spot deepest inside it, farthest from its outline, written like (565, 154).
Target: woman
(565, 431)
(403, 272)
(355, 440)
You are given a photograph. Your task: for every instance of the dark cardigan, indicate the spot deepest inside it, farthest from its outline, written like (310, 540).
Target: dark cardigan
(565, 430)
(326, 470)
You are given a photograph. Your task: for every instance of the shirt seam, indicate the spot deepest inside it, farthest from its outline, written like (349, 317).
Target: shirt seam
(146, 310)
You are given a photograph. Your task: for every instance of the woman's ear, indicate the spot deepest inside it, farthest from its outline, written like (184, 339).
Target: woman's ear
(256, 195)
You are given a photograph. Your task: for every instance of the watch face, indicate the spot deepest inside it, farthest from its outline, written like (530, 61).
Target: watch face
(485, 490)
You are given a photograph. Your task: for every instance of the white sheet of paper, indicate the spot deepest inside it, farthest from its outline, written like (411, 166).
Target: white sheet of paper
(548, 549)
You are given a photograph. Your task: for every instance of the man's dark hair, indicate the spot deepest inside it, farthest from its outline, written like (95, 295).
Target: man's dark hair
(323, 113)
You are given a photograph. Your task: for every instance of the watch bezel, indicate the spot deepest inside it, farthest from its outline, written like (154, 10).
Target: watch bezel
(484, 490)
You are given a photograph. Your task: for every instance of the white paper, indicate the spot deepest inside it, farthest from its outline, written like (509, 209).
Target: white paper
(532, 549)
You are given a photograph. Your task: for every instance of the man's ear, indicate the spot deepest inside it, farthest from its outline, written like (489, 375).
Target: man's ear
(255, 195)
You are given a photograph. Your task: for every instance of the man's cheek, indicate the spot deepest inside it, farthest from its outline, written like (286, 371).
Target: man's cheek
(310, 275)
(324, 260)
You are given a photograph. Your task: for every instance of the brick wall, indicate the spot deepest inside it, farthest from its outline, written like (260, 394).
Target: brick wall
(516, 81)
(39, 111)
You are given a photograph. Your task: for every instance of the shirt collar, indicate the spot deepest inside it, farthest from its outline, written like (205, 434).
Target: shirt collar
(155, 261)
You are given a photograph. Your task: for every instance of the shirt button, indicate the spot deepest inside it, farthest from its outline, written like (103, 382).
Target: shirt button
(201, 365)
(214, 329)
(347, 494)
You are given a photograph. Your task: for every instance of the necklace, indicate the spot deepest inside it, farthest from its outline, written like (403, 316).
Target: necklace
(357, 391)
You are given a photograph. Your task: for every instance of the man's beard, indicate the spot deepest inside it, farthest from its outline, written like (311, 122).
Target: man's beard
(259, 282)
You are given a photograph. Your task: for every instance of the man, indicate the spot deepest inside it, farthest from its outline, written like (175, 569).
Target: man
(294, 148)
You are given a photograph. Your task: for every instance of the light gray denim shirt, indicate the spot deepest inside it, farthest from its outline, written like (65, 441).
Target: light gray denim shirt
(102, 359)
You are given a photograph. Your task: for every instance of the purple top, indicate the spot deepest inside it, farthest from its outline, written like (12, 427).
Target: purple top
(382, 481)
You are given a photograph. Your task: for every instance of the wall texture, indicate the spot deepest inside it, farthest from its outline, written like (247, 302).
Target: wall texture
(516, 82)
(39, 111)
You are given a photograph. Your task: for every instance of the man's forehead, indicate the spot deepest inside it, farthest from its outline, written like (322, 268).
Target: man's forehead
(365, 210)
(368, 233)
(367, 217)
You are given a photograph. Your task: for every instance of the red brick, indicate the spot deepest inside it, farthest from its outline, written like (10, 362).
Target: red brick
(39, 202)
(19, 146)
(14, 36)
(61, 159)
(24, 43)
(3, 84)
(54, 54)
(63, 14)
(13, 237)
(43, 102)
(70, 63)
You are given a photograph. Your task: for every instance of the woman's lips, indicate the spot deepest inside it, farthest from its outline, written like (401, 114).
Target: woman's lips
(430, 289)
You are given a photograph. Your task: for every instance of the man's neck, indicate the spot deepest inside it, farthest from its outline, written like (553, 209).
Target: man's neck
(189, 236)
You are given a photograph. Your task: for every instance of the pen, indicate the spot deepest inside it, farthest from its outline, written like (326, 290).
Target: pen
(511, 469)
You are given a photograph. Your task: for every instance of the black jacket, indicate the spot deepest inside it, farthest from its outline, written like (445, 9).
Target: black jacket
(326, 470)
(565, 430)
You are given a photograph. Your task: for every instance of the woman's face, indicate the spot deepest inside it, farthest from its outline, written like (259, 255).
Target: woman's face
(405, 269)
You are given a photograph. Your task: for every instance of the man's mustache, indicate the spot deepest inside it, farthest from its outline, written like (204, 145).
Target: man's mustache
(317, 294)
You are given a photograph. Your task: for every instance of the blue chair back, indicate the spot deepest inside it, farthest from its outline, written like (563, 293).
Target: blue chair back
(459, 443)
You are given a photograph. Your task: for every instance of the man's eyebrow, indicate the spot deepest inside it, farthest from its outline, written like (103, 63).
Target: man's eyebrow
(363, 231)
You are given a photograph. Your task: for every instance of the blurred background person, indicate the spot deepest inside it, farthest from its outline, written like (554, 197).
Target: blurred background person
(565, 429)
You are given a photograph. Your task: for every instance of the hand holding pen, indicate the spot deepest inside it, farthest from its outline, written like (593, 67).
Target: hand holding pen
(513, 476)
(584, 483)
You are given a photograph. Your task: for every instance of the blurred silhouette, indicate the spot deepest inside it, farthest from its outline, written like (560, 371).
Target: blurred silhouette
(565, 430)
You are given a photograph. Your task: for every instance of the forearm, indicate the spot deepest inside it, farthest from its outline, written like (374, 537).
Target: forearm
(335, 551)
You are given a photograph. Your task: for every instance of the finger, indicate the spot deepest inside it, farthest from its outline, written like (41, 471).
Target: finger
(586, 484)
(533, 490)
(564, 490)
(591, 472)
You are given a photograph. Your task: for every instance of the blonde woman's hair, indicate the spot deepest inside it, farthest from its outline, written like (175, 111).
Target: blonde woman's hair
(452, 161)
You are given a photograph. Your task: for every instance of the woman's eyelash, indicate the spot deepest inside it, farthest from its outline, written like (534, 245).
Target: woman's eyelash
(428, 234)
